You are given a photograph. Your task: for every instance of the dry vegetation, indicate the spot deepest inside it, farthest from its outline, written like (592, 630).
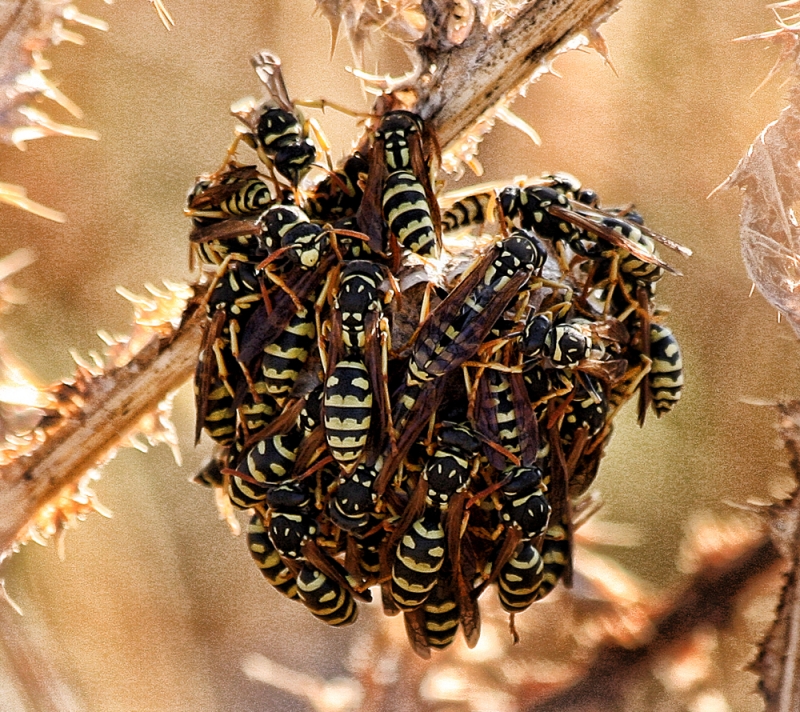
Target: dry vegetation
(614, 642)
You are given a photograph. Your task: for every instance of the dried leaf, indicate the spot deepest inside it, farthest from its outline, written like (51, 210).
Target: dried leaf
(769, 176)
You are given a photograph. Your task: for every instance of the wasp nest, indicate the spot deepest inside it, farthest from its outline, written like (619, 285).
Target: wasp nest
(409, 392)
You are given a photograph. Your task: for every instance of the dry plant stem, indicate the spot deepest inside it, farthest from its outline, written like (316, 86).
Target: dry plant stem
(778, 659)
(708, 599)
(475, 76)
(114, 404)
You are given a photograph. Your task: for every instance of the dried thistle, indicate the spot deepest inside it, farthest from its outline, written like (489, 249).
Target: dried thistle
(88, 417)
(769, 178)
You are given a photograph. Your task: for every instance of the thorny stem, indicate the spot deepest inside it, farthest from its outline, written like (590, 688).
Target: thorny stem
(114, 404)
(708, 599)
(475, 76)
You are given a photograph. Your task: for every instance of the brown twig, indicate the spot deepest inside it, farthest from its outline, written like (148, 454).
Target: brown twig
(708, 599)
(473, 77)
(114, 404)
(778, 658)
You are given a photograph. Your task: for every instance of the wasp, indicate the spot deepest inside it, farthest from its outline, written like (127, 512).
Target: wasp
(665, 378)
(504, 415)
(229, 306)
(587, 410)
(268, 559)
(218, 415)
(552, 215)
(359, 352)
(213, 201)
(285, 357)
(264, 327)
(338, 195)
(266, 464)
(239, 191)
(325, 597)
(563, 344)
(453, 332)
(526, 505)
(467, 211)
(418, 559)
(455, 329)
(435, 535)
(354, 500)
(520, 579)
(276, 129)
(347, 411)
(245, 494)
(441, 616)
(556, 558)
(403, 146)
(408, 214)
(258, 408)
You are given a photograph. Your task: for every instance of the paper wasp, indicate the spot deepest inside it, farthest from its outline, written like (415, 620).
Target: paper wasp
(338, 195)
(402, 145)
(428, 539)
(276, 130)
(665, 378)
(357, 361)
(268, 559)
(452, 333)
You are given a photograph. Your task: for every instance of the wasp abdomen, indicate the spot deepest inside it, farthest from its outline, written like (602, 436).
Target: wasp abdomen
(268, 559)
(420, 555)
(285, 357)
(406, 209)
(666, 371)
(347, 411)
(521, 577)
(325, 598)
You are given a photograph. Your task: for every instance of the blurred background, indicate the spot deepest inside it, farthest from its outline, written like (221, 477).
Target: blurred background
(159, 607)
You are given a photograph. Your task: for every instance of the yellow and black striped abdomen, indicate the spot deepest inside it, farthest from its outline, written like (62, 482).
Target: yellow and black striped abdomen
(503, 411)
(420, 555)
(347, 411)
(253, 196)
(285, 357)
(256, 414)
(521, 577)
(644, 272)
(556, 554)
(666, 372)
(465, 212)
(406, 209)
(220, 419)
(244, 494)
(268, 560)
(440, 615)
(326, 598)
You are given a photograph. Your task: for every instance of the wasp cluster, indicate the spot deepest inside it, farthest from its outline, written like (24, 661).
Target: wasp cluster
(406, 396)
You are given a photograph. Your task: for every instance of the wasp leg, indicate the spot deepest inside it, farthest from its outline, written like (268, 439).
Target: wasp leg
(278, 281)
